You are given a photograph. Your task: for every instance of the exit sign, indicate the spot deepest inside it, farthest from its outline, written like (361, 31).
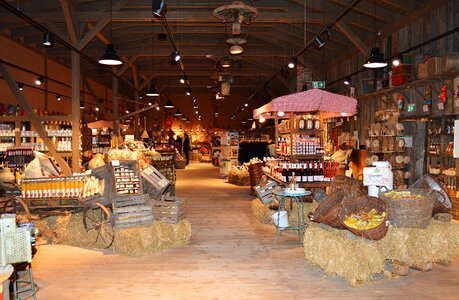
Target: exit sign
(318, 84)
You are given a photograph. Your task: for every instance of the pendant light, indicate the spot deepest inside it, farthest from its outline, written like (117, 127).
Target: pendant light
(292, 63)
(110, 58)
(48, 40)
(145, 133)
(376, 59)
(169, 104)
(184, 118)
(152, 91)
(178, 113)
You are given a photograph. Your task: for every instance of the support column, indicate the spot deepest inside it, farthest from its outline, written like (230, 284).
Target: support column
(76, 157)
(136, 117)
(116, 123)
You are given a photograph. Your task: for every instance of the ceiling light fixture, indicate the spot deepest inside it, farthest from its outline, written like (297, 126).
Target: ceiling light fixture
(39, 80)
(152, 91)
(127, 111)
(48, 40)
(226, 63)
(188, 91)
(196, 112)
(246, 104)
(318, 42)
(178, 113)
(243, 121)
(96, 109)
(169, 104)
(110, 58)
(292, 63)
(82, 104)
(187, 121)
(194, 99)
(184, 118)
(58, 97)
(262, 119)
(183, 79)
(397, 61)
(376, 60)
(158, 7)
(150, 104)
(175, 55)
(158, 108)
(236, 49)
(347, 81)
(280, 113)
(20, 86)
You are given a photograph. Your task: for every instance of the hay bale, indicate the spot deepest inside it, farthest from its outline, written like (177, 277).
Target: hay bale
(414, 246)
(355, 260)
(261, 211)
(139, 241)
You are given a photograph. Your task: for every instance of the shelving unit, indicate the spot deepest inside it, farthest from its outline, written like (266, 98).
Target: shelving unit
(100, 140)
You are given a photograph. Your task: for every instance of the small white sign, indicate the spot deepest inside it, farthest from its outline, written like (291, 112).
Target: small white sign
(441, 106)
(425, 108)
(408, 141)
(377, 176)
(456, 140)
(456, 103)
(148, 171)
(115, 163)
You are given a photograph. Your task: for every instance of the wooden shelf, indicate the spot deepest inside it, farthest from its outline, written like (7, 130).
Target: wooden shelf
(40, 118)
(310, 185)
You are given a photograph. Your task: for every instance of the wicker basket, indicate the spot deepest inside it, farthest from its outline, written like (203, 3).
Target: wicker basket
(443, 203)
(255, 172)
(409, 212)
(353, 187)
(327, 211)
(365, 203)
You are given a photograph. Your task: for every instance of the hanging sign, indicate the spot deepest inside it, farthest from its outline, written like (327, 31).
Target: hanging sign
(377, 176)
(441, 106)
(318, 84)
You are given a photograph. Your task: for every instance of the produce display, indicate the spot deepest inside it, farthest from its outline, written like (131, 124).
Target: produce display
(127, 154)
(365, 220)
(402, 194)
(92, 186)
(126, 181)
(57, 187)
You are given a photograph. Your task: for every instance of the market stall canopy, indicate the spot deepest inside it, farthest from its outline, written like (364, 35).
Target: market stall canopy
(101, 124)
(315, 100)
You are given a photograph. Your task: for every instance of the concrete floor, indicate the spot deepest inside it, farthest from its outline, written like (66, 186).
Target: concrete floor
(230, 256)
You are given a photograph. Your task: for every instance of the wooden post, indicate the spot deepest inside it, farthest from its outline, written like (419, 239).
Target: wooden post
(116, 124)
(76, 112)
(33, 119)
(136, 118)
(276, 134)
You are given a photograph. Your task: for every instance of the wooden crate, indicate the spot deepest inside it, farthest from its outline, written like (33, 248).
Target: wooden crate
(266, 193)
(132, 211)
(169, 209)
(110, 182)
(154, 183)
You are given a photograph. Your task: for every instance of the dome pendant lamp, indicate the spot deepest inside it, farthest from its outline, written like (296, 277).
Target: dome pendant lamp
(110, 57)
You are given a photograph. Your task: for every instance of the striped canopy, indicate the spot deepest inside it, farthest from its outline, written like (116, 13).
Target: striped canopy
(316, 100)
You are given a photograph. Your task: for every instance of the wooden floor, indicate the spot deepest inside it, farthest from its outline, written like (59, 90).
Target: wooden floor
(230, 256)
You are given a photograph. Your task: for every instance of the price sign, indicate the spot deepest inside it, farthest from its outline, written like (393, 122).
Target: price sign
(318, 84)
(115, 163)
(441, 106)
(456, 103)
(425, 108)
(377, 176)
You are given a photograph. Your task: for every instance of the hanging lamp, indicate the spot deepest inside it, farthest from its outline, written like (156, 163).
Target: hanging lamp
(169, 104)
(376, 59)
(152, 91)
(110, 57)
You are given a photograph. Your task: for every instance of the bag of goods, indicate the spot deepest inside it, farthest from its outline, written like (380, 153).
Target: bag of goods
(365, 216)
(410, 208)
(96, 161)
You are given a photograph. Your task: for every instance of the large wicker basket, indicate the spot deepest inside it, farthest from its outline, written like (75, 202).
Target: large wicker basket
(365, 203)
(408, 212)
(255, 172)
(353, 188)
(327, 211)
(443, 203)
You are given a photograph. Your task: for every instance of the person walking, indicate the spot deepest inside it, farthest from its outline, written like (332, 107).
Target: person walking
(179, 144)
(187, 148)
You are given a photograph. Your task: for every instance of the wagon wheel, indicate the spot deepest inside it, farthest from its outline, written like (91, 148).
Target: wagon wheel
(98, 218)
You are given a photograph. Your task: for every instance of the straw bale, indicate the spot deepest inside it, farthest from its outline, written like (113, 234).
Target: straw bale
(261, 211)
(135, 241)
(159, 236)
(355, 260)
(414, 246)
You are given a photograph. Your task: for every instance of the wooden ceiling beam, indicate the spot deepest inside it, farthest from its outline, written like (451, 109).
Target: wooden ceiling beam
(359, 44)
(71, 19)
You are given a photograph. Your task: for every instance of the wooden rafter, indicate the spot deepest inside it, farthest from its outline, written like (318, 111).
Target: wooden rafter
(70, 20)
(359, 44)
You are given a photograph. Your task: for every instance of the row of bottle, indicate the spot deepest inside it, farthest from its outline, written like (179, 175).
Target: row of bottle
(52, 188)
(310, 171)
(18, 157)
(301, 146)
(434, 148)
(64, 145)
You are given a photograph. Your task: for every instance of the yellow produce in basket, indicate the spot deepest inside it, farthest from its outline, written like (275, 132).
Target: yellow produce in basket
(402, 194)
(365, 220)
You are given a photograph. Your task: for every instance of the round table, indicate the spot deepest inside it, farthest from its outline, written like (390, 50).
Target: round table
(294, 196)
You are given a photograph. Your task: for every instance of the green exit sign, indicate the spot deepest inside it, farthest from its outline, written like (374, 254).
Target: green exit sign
(411, 107)
(318, 84)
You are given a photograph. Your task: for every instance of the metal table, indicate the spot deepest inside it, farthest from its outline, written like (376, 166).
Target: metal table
(294, 196)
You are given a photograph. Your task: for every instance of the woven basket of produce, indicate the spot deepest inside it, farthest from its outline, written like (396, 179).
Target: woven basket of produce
(410, 208)
(353, 187)
(443, 203)
(327, 211)
(365, 216)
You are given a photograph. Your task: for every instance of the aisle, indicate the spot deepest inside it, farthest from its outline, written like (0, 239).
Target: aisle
(230, 256)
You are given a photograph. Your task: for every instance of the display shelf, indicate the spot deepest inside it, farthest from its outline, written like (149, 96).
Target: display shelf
(307, 185)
